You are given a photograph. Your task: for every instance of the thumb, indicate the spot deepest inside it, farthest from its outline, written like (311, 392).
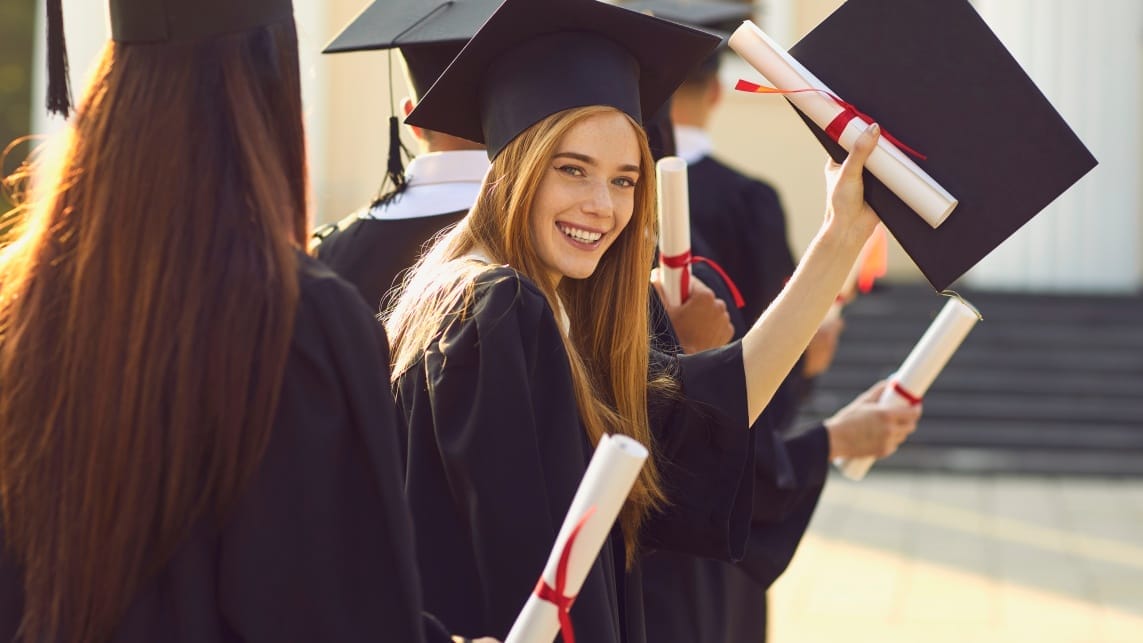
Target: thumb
(862, 148)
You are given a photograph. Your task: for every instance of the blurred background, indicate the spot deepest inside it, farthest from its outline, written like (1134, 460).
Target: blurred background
(1016, 512)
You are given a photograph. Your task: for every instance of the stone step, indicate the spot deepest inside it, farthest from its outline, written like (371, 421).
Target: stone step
(1030, 383)
(983, 460)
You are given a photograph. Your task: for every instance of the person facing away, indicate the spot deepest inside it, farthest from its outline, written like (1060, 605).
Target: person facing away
(196, 437)
(373, 247)
(738, 222)
(522, 336)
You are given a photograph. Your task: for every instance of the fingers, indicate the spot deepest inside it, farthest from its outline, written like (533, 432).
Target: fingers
(873, 393)
(862, 148)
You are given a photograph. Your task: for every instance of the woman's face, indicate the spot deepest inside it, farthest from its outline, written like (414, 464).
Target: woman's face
(586, 195)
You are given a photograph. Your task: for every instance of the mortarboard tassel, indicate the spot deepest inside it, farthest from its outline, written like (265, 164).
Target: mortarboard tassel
(59, 93)
(395, 166)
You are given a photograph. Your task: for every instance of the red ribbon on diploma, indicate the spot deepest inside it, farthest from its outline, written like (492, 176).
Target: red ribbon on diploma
(555, 595)
(838, 125)
(905, 393)
(686, 259)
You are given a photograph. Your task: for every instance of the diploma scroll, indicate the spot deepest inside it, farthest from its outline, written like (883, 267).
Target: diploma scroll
(674, 229)
(601, 494)
(928, 358)
(888, 163)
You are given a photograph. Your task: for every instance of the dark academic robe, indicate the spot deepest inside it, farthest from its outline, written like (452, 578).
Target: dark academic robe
(319, 546)
(738, 222)
(372, 253)
(496, 452)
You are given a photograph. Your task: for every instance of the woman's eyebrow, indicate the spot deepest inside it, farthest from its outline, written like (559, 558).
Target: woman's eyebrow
(584, 158)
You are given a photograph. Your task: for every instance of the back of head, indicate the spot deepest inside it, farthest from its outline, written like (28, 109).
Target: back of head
(146, 311)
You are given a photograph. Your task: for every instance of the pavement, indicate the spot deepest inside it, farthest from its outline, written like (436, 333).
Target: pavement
(933, 557)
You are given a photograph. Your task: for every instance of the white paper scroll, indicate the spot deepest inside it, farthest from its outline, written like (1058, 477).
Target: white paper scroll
(674, 227)
(609, 477)
(922, 367)
(890, 165)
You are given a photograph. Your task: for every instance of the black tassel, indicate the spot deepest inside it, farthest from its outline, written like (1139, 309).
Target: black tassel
(395, 169)
(59, 93)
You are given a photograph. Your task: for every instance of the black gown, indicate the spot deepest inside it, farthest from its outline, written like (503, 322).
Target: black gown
(319, 547)
(372, 253)
(496, 451)
(738, 222)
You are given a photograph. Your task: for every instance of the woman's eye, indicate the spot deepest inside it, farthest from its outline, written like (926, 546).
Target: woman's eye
(624, 182)
(573, 170)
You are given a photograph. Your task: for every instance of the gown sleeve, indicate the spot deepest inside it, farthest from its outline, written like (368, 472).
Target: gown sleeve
(319, 547)
(705, 455)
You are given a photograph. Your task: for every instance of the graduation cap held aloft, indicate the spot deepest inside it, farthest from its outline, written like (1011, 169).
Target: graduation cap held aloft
(429, 34)
(934, 75)
(534, 59)
(158, 21)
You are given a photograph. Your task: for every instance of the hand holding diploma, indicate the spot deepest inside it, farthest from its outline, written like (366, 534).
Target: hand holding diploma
(908, 386)
(841, 121)
(601, 494)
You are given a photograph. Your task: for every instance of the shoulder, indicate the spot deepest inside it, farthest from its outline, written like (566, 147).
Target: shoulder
(331, 308)
(330, 231)
(501, 314)
(501, 290)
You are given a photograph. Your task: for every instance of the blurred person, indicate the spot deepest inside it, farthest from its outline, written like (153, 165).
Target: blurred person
(371, 248)
(738, 222)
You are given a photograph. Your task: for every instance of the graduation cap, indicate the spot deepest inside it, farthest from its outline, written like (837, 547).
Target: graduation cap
(933, 74)
(714, 15)
(155, 21)
(534, 59)
(428, 33)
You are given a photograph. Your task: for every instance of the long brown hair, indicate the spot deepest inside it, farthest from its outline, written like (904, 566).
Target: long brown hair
(146, 311)
(608, 347)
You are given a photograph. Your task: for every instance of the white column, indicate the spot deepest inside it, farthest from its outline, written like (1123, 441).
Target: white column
(1087, 58)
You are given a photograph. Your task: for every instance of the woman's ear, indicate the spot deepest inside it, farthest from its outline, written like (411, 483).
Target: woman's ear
(406, 109)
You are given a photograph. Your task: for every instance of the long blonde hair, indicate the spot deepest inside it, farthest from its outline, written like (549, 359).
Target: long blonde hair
(608, 347)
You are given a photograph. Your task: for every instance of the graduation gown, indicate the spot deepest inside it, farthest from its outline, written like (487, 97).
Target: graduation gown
(496, 451)
(319, 545)
(372, 253)
(738, 222)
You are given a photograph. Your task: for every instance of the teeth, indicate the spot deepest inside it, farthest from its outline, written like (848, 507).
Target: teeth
(585, 236)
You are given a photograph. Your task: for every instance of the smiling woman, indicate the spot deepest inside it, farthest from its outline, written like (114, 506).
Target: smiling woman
(585, 201)
(522, 337)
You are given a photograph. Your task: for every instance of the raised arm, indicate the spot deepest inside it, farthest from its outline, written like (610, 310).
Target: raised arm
(772, 346)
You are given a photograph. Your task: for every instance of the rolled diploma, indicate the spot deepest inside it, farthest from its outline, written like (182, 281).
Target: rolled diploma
(674, 225)
(605, 485)
(896, 170)
(928, 358)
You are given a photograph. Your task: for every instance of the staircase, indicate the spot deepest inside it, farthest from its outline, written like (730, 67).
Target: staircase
(1045, 384)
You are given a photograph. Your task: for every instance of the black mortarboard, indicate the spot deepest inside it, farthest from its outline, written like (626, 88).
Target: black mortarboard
(709, 14)
(180, 21)
(717, 17)
(533, 59)
(153, 21)
(933, 75)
